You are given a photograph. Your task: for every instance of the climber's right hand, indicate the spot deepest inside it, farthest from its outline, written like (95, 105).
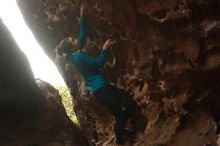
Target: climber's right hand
(82, 9)
(107, 44)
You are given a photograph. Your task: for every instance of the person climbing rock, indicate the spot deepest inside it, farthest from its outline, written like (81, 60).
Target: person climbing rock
(118, 102)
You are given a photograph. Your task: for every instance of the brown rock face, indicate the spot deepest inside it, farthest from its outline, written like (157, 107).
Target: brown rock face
(30, 116)
(167, 56)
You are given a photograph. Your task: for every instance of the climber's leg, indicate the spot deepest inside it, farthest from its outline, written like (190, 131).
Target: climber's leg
(109, 98)
(125, 101)
(121, 121)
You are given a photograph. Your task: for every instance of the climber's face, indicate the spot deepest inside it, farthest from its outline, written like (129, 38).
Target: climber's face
(68, 46)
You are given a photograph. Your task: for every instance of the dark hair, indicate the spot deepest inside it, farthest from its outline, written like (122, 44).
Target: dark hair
(64, 47)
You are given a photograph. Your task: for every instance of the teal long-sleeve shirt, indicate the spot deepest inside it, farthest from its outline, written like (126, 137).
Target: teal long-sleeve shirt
(90, 69)
(82, 33)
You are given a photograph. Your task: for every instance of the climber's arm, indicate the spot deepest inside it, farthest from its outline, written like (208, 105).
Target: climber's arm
(100, 61)
(82, 34)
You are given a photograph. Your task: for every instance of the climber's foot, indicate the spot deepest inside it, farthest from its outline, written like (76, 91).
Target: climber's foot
(128, 135)
(129, 132)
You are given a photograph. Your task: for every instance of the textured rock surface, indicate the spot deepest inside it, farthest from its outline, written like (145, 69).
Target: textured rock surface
(30, 116)
(167, 57)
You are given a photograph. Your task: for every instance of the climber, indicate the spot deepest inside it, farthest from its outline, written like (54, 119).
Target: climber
(119, 103)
